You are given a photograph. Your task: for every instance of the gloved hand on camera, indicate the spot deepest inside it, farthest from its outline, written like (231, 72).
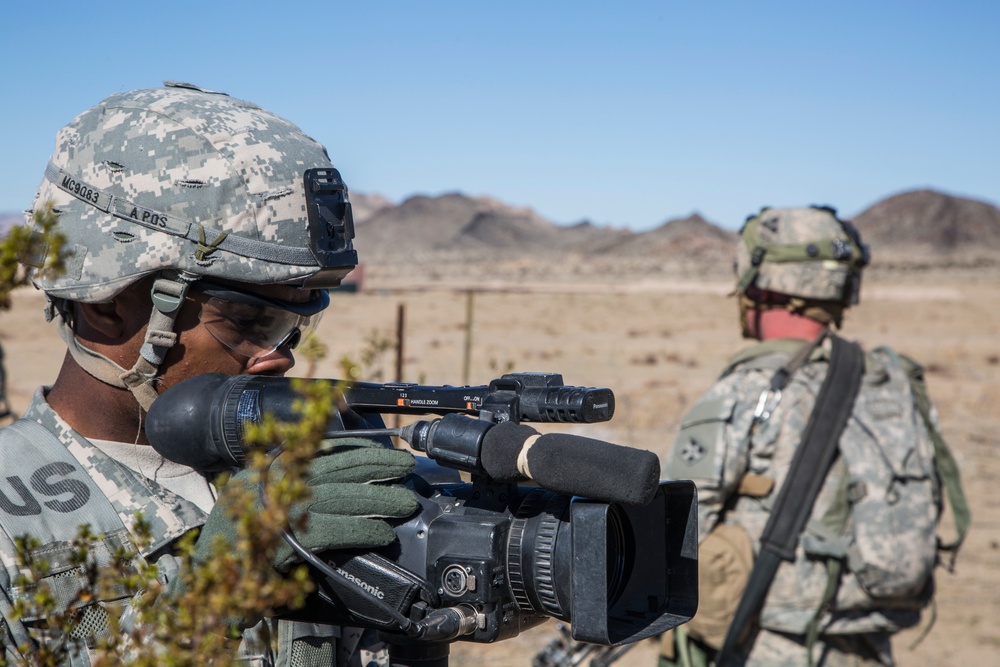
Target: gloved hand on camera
(348, 506)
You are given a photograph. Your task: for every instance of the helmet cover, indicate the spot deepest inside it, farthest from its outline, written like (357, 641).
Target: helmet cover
(803, 252)
(180, 178)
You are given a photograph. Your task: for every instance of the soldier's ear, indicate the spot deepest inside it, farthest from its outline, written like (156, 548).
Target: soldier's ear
(101, 321)
(115, 321)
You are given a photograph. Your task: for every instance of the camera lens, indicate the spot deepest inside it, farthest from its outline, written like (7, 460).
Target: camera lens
(540, 557)
(621, 553)
(538, 554)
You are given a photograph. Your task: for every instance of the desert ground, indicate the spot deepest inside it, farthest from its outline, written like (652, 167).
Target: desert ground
(658, 345)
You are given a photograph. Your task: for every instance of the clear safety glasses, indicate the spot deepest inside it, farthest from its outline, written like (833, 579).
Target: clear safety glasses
(253, 325)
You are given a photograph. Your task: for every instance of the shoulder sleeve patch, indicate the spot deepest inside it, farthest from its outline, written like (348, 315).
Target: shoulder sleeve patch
(699, 449)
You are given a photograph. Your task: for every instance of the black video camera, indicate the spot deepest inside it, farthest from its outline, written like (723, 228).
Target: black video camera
(600, 542)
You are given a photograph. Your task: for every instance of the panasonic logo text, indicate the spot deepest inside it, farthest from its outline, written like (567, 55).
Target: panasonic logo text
(361, 583)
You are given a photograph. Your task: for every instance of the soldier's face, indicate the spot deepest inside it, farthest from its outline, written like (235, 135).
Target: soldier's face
(201, 348)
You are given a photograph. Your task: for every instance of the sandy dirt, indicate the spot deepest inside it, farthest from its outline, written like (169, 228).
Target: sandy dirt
(658, 346)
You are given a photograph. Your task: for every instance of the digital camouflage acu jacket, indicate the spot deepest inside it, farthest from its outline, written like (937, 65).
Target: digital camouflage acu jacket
(739, 467)
(53, 480)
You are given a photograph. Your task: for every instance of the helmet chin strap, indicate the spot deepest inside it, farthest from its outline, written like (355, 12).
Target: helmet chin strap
(168, 294)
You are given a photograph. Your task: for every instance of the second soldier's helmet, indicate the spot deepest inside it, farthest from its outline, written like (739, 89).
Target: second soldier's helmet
(808, 253)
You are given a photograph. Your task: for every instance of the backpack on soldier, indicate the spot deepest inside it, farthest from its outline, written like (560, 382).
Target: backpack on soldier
(894, 469)
(883, 526)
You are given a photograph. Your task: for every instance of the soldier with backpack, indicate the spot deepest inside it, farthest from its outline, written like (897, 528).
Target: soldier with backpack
(821, 471)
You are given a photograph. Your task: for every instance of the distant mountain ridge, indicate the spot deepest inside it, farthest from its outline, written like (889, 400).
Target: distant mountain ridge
(457, 230)
(926, 222)
(923, 225)
(455, 226)
(691, 235)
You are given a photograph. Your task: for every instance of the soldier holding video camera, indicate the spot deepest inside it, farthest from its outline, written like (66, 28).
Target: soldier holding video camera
(202, 232)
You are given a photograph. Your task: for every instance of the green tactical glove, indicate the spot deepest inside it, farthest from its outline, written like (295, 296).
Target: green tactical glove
(347, 507)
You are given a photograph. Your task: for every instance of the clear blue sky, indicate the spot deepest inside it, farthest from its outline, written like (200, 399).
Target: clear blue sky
(624, 113)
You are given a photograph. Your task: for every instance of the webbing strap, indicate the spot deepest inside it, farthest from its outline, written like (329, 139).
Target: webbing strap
(171, 224)
(810, 465)
(948, 470)
(137, 380)
(167, 295)
(944, 462)
(94, 363)
(834, 567)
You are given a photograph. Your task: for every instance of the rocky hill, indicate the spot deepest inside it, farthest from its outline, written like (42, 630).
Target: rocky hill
(931, 225)
(454, 226)
(457, 235)
(918, 229)
(367, 205)
(693, 236)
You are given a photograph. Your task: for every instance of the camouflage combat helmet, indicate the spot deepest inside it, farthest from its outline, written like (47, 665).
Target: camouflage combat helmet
(183, 183)
(808, 253)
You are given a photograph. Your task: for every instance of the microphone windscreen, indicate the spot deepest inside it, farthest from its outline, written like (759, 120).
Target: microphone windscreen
(501, 447)
(593, 468)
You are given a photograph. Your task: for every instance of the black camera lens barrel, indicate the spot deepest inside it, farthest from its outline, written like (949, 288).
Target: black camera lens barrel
(618, 574)
(540, 526)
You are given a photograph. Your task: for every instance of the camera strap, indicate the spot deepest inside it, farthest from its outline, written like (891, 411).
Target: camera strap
(793, 506)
